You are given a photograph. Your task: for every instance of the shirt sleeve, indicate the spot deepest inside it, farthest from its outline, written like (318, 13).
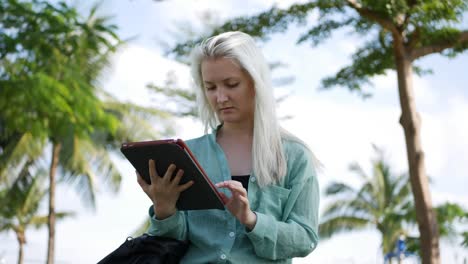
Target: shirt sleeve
(297, 234)
(175, 226)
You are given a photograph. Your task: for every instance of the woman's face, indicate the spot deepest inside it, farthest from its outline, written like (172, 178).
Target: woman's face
(229, 89)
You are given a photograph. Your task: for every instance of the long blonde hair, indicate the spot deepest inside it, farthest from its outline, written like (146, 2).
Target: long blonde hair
(269, 161)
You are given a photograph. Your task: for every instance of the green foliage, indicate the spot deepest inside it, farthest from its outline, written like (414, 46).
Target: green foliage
(23, 199)
(49, 61)
(448, 215)
(465, 239)
(425, 27)
(369, 61)
(433, 12)
(21, 203)
(273, 20)
(382, 201)
(50, 64)
(16, 150)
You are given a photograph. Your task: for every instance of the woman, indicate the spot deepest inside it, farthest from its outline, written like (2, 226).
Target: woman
(266, 175)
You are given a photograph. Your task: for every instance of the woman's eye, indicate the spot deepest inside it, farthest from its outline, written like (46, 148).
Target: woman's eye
(232, 85)
(209, 88)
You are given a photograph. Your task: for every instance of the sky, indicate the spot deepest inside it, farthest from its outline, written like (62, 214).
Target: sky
(339, 127)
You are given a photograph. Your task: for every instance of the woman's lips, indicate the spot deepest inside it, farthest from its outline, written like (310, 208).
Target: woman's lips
(226, 108)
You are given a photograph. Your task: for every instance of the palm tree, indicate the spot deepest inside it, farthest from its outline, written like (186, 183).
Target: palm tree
(71, 144)
(21, 205)
(55, 101)
(382, 202)
(15, 151)
(80, 160)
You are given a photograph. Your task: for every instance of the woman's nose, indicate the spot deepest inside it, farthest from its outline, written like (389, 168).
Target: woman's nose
(221, 96)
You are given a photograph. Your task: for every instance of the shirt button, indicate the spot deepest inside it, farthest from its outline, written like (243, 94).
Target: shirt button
(252, 179)
(231, 234)
(312, 245)
(223, 256)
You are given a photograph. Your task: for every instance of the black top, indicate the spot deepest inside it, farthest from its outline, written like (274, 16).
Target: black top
(244, 179)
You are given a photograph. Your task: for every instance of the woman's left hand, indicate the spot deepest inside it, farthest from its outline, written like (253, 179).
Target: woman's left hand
(238, 203)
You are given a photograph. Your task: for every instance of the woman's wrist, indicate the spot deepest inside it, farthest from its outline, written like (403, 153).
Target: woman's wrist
(251, 221)
(162, 212)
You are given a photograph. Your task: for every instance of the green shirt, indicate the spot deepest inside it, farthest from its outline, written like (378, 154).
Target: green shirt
(287, 213)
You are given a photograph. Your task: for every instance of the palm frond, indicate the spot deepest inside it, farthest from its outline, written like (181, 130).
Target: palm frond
(341, 224)
(17, 152)
(40, 221)
(346, 208)
(383, 201)
(335, 188)
(358, 171)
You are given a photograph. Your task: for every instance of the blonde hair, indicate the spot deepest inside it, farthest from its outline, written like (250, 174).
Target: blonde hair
(268, 158)
(269, 161)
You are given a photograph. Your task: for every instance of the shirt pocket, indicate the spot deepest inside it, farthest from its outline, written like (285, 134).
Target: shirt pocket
(272, 200)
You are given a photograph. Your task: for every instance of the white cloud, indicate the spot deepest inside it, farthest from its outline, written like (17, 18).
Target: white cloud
(341, 133)
(135, 67)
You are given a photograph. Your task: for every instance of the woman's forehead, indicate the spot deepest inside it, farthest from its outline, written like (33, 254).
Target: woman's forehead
(220, 69)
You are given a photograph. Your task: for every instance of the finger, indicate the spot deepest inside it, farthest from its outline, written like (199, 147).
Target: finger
(141, 182)
(152, 171)
(185, 186)
(236, 187)
(244, 200)
(140, 179)
(228, 184)
(170, 171)
(221, 184)
(177, 178)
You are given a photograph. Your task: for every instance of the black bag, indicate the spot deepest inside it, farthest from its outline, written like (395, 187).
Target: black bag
(147, 249)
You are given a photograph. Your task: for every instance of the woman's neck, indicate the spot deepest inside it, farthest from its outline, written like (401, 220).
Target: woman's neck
(236, 131)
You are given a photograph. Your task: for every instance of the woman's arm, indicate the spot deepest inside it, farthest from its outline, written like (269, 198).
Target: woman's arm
(175, 226)
(164, 193)
(297, 235)
(293, 233)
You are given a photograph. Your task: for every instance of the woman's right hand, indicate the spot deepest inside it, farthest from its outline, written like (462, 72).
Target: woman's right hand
(163, 191)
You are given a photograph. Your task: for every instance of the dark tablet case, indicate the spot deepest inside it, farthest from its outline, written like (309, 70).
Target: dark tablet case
(201, 195)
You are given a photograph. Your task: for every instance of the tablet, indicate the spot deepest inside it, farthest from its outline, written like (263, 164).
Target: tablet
(201, 195)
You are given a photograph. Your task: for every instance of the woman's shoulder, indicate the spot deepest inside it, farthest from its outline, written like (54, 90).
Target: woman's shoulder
(300, 159)
(295, 148)
(194, 143)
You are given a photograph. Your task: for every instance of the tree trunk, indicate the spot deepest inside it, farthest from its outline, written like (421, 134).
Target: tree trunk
(411, 122)
(53, 168)
(21, 241)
